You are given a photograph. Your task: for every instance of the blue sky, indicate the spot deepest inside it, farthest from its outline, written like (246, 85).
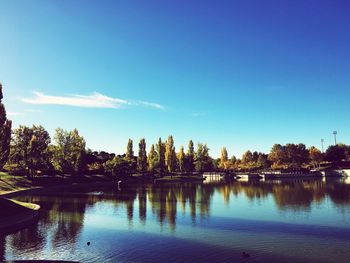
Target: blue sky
(244, 74)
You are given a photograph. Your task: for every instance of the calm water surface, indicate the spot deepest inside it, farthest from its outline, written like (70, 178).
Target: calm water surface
(295, 221)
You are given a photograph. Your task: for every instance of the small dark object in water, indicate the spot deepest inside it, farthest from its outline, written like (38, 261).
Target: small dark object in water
(245, 255)
(88, 243)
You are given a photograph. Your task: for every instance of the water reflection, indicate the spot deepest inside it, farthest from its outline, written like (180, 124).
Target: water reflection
(68, 211)
(63, 218)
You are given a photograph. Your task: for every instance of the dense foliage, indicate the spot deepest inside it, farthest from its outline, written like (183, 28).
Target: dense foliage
(29, 149)
(5, 133)
(32, 152)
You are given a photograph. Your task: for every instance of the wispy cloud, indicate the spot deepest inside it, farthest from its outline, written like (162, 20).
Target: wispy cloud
(33, 110)
(95, 100)
(148, 104)
(14, 114)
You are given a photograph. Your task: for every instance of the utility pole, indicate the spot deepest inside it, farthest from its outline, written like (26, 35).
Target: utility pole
(335, 137)
(322, 141)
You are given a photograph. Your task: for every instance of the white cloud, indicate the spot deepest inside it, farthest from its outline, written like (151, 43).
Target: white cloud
(96, 100)
(33, 110)
(14, 114)
(149, 104)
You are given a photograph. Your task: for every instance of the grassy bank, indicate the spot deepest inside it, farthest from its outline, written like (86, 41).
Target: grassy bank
(10, 183)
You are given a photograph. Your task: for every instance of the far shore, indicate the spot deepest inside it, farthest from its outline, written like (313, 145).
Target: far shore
(12, 186)
(56, 183)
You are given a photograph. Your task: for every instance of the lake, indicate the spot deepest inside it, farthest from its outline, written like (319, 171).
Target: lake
(288, 221)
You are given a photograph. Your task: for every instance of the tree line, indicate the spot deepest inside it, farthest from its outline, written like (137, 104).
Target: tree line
(30, 151)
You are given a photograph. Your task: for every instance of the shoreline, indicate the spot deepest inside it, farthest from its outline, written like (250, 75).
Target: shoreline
(47, 189)
(16, 222)
(42, 184)
(104, 180)
(96, 180)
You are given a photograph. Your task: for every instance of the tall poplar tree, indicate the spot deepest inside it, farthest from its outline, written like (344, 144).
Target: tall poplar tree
(190, 156)
(170, 155)
(5, 133)
(129, 150)
(181, 159)
(223, 158)
(152, 159)
(161, 156)
(142, 157)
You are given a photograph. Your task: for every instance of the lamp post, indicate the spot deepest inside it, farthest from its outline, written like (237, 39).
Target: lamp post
(322, 141)
(335, 137)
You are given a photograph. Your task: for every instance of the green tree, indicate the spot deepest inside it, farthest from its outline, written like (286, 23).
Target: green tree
(68, 151)
(247, 157)
(129, 150)
(296, 155)
(233, 161)
(152, 159)
(335, 153)
(181, 159)
(215, 164)
(223, 164)
(5, 133)
(262, 162)
(277, 155)
(29, 148)
(203, 161)
(255, 157)
(247, 161)
(289, 156)
(108, 167)
(142, 157)
(190, 157)
(161, 156)
(80, 163)
(315, 156)
(170, 155)
(346, 150)
(120, 167)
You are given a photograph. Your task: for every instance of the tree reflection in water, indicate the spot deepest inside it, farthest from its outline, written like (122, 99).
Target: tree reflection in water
(64, 215)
